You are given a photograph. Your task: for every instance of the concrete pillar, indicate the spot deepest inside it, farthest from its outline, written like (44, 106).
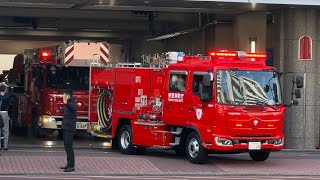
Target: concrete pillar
(250, 26)
(301, 126)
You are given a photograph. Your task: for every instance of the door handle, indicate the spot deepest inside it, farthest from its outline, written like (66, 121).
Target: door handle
(124, 103)
(168, 107)
(191, 109)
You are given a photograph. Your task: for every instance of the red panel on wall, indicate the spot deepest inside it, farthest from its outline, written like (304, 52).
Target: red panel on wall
(305, 48)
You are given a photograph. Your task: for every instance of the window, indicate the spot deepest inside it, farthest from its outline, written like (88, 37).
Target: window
(248, 87)
(197, 84)
(177, 81)
(68, 77)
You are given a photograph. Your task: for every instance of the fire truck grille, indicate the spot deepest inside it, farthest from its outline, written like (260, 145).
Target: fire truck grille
(265, 141)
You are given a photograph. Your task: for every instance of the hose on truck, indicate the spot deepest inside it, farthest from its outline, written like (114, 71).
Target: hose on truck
(104, 110)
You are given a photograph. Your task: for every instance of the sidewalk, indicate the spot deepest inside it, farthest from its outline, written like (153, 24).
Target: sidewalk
(106, 162)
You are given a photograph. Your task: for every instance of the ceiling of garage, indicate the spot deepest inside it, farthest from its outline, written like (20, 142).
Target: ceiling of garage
(113, 16)
(114, 20)
(159, 5)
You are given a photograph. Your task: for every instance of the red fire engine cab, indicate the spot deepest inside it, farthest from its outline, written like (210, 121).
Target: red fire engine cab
(46, 72)
(227, 102)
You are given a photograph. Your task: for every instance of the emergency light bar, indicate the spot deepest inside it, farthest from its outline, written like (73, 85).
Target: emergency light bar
(224, 54)
(237, 55)
(45, 54)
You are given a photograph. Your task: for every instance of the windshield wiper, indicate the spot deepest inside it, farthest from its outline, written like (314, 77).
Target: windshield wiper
(266, 104)
(238, 104)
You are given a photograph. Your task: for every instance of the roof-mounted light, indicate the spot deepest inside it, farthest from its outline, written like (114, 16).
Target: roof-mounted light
(223, 54)
(45, 54)
(256, 55)
(232, 55)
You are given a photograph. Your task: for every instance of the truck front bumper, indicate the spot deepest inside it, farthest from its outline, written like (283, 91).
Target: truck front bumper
(227, 143)
(55, 122)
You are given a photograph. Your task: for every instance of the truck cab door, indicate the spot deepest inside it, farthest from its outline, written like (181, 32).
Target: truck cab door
(200, 101)
(174, 98)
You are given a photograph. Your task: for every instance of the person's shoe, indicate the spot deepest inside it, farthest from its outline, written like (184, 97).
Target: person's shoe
(69, 169)
(64, 167)
(6, 149)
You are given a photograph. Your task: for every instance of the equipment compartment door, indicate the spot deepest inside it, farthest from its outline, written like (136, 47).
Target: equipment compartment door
(174, 111)
(124, 91)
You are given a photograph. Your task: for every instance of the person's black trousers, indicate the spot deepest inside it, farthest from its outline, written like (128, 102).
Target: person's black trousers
(68, 145)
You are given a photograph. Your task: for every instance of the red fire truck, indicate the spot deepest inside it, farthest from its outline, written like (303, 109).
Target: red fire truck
(228, 102)
(39, 83)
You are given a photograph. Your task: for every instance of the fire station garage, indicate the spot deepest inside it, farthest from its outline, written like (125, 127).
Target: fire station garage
(131, 29)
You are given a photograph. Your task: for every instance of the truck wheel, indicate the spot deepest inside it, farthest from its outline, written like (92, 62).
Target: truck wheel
(259, 155)
(140, 150)
(195, 152)
(125, 140)
(180, 150)
(114, 144)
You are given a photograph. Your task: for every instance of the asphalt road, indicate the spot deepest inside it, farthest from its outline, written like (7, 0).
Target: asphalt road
(29, 158)
(161, 177)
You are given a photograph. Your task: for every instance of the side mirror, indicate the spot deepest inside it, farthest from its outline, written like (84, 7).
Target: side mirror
(299, 81)
(275, 90)
(297, 93)
(295, 102)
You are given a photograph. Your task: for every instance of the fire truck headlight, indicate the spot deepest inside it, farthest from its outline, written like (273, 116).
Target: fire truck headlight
(153, 117)
(46, 120)
(278, 142)
(223, 142)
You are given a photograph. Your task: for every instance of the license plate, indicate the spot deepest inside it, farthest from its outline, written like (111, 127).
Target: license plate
(254, 145)
(82, 125)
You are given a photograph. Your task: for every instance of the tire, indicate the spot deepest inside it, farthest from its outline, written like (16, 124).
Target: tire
(259, 155)
(114, 144)
(195, 153)
(140, 150)
(125, 140)
(180, 150)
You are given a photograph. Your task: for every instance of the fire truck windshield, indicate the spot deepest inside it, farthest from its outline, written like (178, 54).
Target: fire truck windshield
(248, 87)
(68, 77)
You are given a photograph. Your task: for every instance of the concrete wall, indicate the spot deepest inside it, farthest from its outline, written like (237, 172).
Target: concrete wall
(117, 53)
(192, 43)
(17, 47)
(142, 46)
(301, 125)
(224, 36)
(250, 25)
(273, 41)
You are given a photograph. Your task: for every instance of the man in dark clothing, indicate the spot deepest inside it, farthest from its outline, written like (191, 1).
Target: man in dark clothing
(5, 95)
(69, 127)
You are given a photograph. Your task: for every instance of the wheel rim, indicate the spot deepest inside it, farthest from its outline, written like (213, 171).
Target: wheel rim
(193, 148)
(125, 139)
